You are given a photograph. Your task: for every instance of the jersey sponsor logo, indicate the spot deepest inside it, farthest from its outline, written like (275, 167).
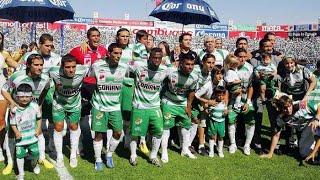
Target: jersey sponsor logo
(151, 87)
(68, 91)
(143, 75)
(110, 87)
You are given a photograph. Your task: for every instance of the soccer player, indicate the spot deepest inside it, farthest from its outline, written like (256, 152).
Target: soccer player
(106, 111)
(146, 111)
(25, 122)
(67, 79)
(40, 84)
(176, 103)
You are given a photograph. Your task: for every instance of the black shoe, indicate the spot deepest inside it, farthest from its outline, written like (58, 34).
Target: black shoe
(203, 152)
(259, 151)
(192, 150)
(278, 152)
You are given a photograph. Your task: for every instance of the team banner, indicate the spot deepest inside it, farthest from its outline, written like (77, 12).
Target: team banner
(255, 34)
(214, 33)
(213, 27)
(242, 27)
(83, 20)
(118, 22)
(303, 34)
(273, 28)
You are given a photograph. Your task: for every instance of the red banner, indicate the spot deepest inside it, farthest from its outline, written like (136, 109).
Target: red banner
(78, 27)
(273, 28)
(12, 24)
(115, 22)
(255, 34)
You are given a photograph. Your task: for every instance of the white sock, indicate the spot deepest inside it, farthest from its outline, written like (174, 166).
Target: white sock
(211, 145)
(165, 139)
(88, 117)
(142, 140)
(232, 133)
(42, 147)
(249, 135)
(133, 149)
(185, 139)
(58, 141)
(220, 146)
(193, 133)
(238, 101)
(20, 164)
(155, 147)
(74, 142)
(113, 146)
(109, 135)
(201, 146)
(65, 128)
(97, 146)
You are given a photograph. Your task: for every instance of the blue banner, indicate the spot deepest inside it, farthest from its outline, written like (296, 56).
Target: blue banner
(214, 27)
(209, 32)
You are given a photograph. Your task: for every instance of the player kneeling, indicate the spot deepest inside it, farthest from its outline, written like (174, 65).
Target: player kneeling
(25, 122)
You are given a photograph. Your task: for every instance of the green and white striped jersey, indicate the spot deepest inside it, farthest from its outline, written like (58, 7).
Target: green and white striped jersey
(245, 73)
(106, 96)
(315, 94)
(67, 90)
(203, 77)
(178, 87)
(25, 119)
(148, 84)
(127, 54)
(216, 113)
(139, 52)
(20, 77)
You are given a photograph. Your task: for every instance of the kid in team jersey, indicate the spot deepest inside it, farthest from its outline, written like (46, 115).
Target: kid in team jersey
(25, 122)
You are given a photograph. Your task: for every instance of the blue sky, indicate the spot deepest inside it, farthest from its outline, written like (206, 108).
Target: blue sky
(240, 11)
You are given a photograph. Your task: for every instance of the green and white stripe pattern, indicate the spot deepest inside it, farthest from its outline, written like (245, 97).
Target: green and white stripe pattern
(139, 52)
(148, 85)
(67, 90)
(25, 120)
(216, 113)
(106, 97)
(178, 87)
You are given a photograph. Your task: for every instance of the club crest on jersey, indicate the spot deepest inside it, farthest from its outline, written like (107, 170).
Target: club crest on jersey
(138, 121)
(143, 75)
(87, 60)
(99, 116)
(102, 75)
(174, 80)
(167, 116)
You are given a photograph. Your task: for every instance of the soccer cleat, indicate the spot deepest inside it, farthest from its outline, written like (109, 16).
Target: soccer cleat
(156, 162)
(20, 177)
(109, 161)
(220, 154)
(202, 151)
(144, 149)
(60, 163)
(7, 170)
(192, 150)
(36, 169)
(46, 164)
(133, 161)
(164, 157)
(211, 154)
(98, 166)
(246, 150)
(188, 154)
(73, 162)
(232, 148)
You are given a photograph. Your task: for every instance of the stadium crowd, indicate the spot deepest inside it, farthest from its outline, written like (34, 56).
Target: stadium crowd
(153, 92)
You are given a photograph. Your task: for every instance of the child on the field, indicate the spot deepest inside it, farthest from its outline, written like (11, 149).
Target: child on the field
(216, 121)
(265, 73)
(139, 50)
(233, 80)
(25, 121)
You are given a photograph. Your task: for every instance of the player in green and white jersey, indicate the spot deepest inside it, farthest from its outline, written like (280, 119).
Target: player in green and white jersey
(139, 50)
(176, 103)
(149, 77)
(25, 121)
(106, 111)
(40, 84)
(67, 79)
